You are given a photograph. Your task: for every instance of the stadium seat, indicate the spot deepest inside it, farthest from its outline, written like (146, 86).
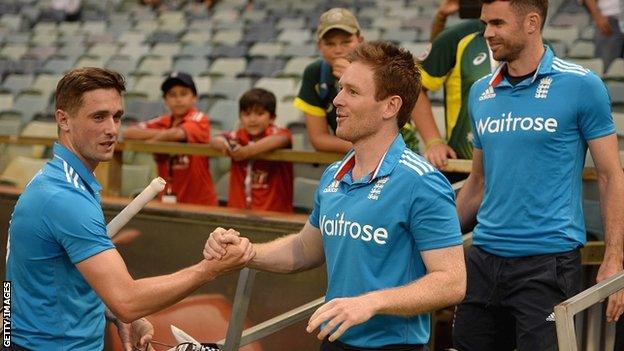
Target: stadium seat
(262, 49)
(400, 35)
(90, 61)
(29, 103)
(38, 129)
(299, 50)
(616, 92)
(567, 34)
(20, 171)
(304, 189)
(43, 52)
(6, 100)
(104, 50)
(190, 64)
(615, 70)
(58, 64)
(260, 33)
(260, 67)
(229, 37)
(295, 36)
(229, 51)
(195, 37)
(295, 66)
(17, 82)
(10, 122)
(166, 49)
(134, 178)
(281, 87)
(150, 85)
(229, 67)
(291, 23)
(225, 112)
(593, 64)
(123, 64)
(196, 49)
(154, 65)
(287, 113)
(582, 49)
(230, 88)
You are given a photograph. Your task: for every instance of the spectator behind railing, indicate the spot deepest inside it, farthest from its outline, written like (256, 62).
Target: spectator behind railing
(608, 37)
(188, 176)
(257, 184)
(338, 34)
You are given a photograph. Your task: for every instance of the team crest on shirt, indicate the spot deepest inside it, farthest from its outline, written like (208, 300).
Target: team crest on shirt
(332, 187)
(376, 190)
(542, 88)
(487, 94)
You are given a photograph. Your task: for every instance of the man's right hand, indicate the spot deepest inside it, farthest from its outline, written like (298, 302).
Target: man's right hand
(228, 248)
(439, 154)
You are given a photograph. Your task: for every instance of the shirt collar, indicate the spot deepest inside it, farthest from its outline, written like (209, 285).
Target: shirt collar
(244, 137)
(79, 167)
(544, 67)
(387, 163)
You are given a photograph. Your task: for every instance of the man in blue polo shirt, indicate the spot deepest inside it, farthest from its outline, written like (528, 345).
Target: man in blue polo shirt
(532, 121)
(63, 267)
(384, 219)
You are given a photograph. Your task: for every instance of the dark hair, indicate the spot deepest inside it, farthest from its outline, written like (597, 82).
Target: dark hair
(75, 83)
(257, 98)
(523, 7)
(394, 73)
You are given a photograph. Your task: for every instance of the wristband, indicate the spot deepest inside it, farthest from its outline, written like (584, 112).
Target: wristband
(433, 142)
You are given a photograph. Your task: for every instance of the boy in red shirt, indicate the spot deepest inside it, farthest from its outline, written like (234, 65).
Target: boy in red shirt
(257, 184)
(188, 176)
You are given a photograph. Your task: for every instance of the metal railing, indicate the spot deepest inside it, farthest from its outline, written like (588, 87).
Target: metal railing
(565, 311)
(237, 337)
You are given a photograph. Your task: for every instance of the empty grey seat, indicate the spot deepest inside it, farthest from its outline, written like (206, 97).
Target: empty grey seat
(199, 50)
(227, 51)
(144, 109)
(297, 49)
(304, 190)
(29, 104)
(226, 113)
(17, 82)
(122, 64)
(190, 64)
(58, 64)
(263, 67)
(230, 88)
(616, 91)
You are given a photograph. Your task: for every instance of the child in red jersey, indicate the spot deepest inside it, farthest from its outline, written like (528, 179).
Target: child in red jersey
(188, 176)
(257, 184)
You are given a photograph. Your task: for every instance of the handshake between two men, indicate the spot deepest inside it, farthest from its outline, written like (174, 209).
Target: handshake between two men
(280, 257)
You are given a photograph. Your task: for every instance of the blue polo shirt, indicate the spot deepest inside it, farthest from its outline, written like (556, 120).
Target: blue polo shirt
(57, 223)
(534, 141)
(374, 230)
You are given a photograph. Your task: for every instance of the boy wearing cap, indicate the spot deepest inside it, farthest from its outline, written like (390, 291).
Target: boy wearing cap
(188, 175)
(257, 184)
(338, 33)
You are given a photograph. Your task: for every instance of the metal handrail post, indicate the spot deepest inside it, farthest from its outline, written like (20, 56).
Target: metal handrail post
(239, 312)
(565, 311)
(280, 322)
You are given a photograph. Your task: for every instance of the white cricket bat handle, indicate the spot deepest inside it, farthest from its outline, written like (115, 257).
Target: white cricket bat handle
(157, 185)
